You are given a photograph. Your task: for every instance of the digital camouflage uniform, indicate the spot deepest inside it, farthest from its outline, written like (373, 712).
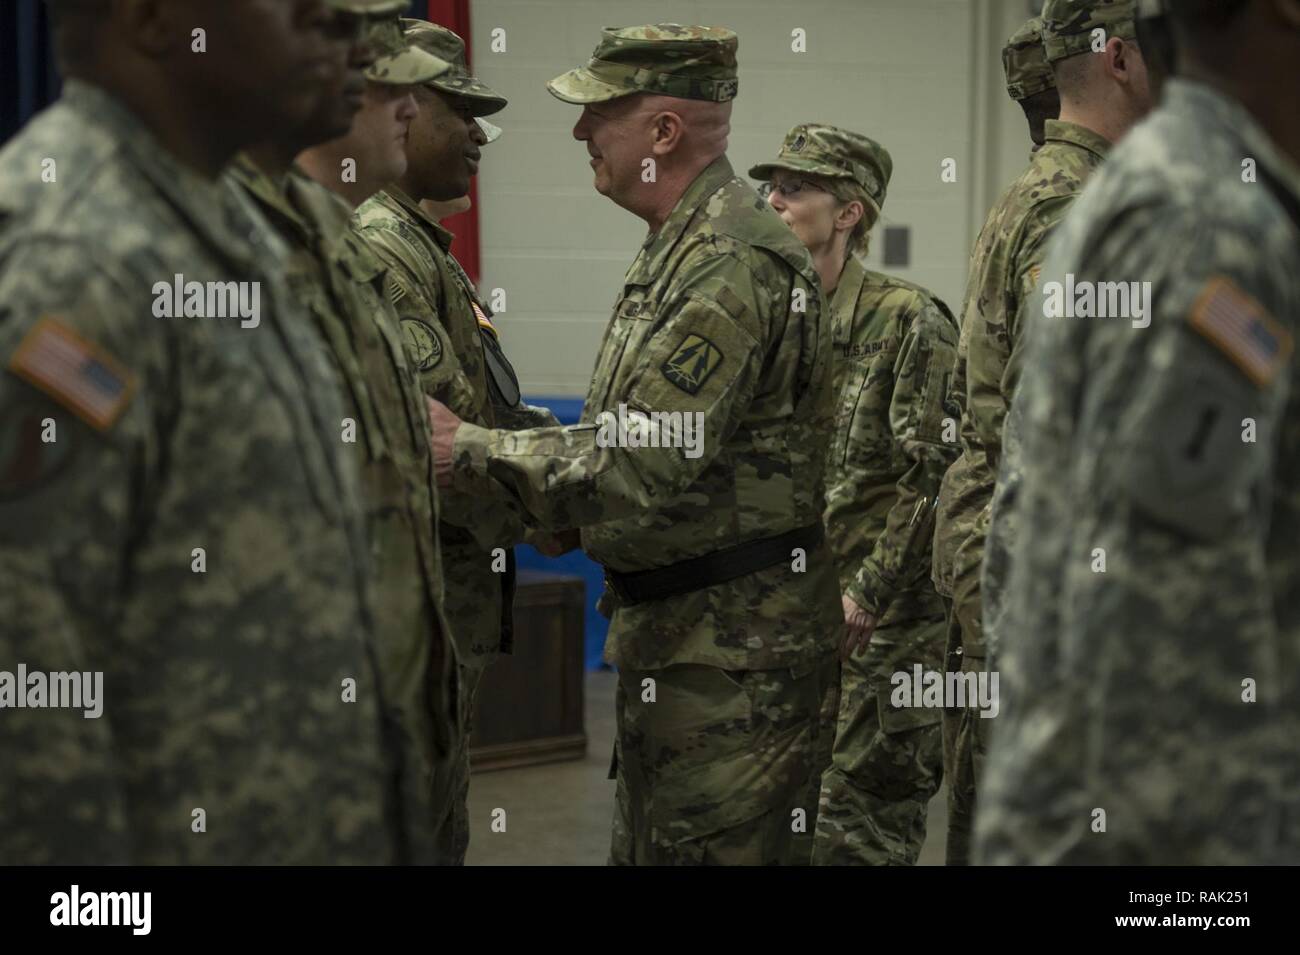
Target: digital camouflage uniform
(335, 277)
(894, 346)
(1174, 451)
(725, 692)
(1003, 272)
(225, 671)
(446, 325)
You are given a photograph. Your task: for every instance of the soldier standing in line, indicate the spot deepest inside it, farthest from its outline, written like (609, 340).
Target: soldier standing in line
(176, 509)
(332, 273)
(895, 344)
(1150, 640)
(1102, 81)
(455, 349)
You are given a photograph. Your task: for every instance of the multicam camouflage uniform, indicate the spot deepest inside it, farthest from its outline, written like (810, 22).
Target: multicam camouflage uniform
(1171, 450)
(725, 692)
(447, 327)
(894, 346)
(224, 671)
(1004, 271)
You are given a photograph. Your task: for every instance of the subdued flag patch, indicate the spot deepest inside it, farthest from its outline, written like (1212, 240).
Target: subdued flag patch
(692, 363)
(74, 372)
(1242, 329)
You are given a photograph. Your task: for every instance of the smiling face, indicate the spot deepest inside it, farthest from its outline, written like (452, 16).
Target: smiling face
(443, 152)
(618, 140)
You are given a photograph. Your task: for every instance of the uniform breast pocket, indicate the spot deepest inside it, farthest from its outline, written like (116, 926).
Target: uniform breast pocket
(624, 342)
(865, 430)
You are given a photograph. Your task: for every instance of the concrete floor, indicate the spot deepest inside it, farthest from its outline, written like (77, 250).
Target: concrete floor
(559, 814)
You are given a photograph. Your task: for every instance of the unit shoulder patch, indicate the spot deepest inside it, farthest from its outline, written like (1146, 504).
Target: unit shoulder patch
(75, 372)
(422, 343)
(691, 364)
(1236, 324)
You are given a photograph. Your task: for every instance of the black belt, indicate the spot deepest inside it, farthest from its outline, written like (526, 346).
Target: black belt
(718, 567)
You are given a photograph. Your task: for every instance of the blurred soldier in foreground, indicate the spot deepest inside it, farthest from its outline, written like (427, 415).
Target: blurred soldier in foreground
(1029, 78)
(176, 509)
(1102, 95)
(894, 345)
(722, 586)
(1150, 643)
(454, 348)
(332, 274)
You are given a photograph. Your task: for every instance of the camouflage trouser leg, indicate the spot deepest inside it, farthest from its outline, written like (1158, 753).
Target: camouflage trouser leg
(964, 743)
(720, 767)
(453, 830)
(887, 762)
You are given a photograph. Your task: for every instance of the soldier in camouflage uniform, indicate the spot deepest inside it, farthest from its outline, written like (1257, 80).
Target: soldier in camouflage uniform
(1151, 701)
(894, 347)
(332, 272)
(176, 508)
(453, 344)
(720, 582)
(1106, 93)
(1029, 79)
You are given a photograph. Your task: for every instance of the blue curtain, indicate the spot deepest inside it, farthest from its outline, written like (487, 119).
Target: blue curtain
(28, 81)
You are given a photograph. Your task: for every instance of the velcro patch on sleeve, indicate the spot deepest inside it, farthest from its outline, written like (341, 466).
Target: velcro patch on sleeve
(1242, 329)
(74, 372)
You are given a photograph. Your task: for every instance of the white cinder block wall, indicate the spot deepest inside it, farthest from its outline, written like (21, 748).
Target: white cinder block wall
(923, 77)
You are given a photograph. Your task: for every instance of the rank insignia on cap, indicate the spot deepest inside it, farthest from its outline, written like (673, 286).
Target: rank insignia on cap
(799, 142)
(74, 372)
(1240, 327)
(422, 343)
(692, 363)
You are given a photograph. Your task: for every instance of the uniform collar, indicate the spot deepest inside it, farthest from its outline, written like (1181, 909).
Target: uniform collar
(654, 253)
(1072, 134)
(844, 300)
(398, 201)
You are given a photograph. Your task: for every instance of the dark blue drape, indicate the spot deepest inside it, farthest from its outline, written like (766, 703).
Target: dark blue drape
(28, 79)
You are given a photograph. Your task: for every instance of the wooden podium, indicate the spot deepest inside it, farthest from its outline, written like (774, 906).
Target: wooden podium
(530, 708)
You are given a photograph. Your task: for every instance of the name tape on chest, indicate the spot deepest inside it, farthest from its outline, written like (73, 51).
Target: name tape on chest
(74, 372)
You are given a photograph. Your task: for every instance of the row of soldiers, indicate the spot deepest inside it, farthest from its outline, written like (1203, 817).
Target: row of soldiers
(279, 542)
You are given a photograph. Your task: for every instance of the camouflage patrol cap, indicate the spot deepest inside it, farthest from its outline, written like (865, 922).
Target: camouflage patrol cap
(836, 154)
(1025, 62)
(399, 63)
(669, 59)
(491, 133)
(1068, 24)
(458, 81)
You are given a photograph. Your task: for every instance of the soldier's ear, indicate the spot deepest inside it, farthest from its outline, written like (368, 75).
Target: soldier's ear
(667, 128)
(151, 27)
(849, 214)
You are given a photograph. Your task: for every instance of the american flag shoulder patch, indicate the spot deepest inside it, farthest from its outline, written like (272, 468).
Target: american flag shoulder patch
(483, 321)
(1242, 329)
(74, 372)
